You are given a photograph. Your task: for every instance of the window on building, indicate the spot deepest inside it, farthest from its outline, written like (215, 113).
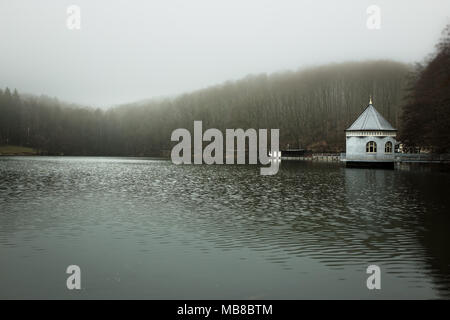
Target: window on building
(388, 147)
(371, 147)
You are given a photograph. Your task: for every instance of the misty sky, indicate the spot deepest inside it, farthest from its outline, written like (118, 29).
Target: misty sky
(132, 50)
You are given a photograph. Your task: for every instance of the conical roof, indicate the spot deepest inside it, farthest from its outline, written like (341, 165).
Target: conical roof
(371, 119)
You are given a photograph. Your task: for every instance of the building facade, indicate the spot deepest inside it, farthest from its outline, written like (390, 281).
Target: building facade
(370, 140)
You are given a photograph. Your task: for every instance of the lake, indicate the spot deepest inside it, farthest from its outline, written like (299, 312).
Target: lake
(148, 229)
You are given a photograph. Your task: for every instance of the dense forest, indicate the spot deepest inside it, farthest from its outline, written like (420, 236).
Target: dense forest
(425, 120)
(312, 107)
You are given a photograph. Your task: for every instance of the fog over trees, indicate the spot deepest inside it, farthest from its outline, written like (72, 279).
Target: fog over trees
(312, 107)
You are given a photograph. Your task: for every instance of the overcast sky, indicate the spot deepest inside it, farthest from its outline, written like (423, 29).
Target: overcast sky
(131, 50)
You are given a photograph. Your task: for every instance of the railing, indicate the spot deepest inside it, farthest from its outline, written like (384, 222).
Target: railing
(327, 157)
(369, 157)
(399, 157)
(422, 157)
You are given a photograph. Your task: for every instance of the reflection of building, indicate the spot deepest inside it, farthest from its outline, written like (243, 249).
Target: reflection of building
(370, 140)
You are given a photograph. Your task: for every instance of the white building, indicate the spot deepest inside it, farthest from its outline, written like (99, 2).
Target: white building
(370, 140)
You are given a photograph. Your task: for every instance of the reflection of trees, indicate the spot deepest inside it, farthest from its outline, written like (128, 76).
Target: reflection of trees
(430, 192)
(302, 209)
(336, 215)
(409, 209)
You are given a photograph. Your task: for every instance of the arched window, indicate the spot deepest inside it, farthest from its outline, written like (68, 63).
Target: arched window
(371, 147)
(388, 147)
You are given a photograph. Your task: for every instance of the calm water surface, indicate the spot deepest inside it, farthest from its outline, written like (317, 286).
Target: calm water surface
(143, 228)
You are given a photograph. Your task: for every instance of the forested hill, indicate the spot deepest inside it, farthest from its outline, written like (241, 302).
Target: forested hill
(311, 107)
(425, 120)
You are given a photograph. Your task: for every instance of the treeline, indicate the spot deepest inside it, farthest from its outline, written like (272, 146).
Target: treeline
(311, 107)
(426, 115)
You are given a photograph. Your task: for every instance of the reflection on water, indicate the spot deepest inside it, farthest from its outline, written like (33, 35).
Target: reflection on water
(145, 228)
